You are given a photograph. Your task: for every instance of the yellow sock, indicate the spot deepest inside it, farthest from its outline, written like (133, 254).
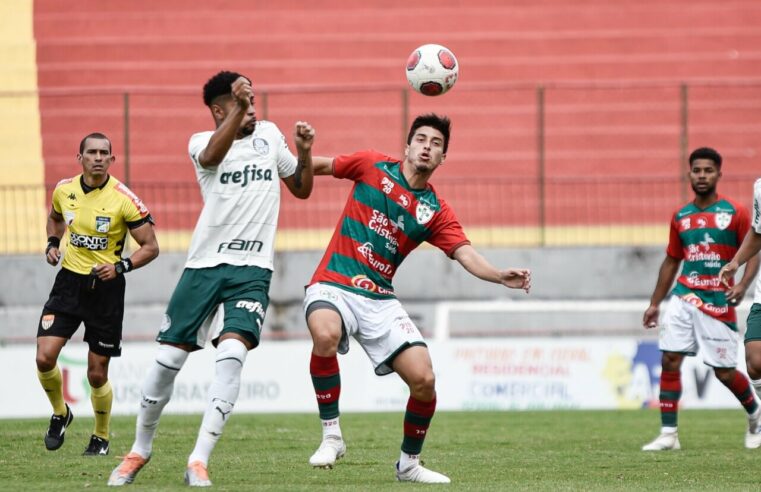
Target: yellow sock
(52, 383)
(101, 399)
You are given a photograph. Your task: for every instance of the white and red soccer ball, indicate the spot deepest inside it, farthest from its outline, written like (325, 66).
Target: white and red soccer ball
(432, 69)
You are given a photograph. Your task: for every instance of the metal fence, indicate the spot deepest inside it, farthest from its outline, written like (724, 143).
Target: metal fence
(497, 212)
(528, 165)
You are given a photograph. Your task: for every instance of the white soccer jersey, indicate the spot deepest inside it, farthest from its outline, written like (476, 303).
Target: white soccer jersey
(755, 225)
(241, 199)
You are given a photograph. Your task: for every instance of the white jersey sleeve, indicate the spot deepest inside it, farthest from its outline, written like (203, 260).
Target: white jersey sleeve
(286, 162)
(241, 199)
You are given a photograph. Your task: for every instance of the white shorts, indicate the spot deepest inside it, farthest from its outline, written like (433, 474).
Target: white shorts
(685, 328)
(381, 326)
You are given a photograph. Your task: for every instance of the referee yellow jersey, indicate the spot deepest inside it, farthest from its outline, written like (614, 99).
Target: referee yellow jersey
(97, 220)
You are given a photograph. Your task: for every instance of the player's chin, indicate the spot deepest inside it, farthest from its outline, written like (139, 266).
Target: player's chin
(248, 128)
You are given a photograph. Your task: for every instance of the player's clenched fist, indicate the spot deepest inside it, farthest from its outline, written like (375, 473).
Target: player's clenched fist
(242, 91)
(303, 135)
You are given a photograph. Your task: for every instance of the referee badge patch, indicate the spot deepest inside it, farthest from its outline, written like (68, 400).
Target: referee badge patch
(47, 321)
(102, 224)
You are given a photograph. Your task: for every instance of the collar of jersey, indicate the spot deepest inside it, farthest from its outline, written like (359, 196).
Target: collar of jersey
(87, 189)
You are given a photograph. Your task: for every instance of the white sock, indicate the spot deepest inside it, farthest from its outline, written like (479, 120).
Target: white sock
(157, 390)
(668, 430)
(223, 393)
(756, 383)
(331, 428)
(407, 461)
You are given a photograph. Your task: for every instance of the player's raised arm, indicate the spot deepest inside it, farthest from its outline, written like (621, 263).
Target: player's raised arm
(478, 266)
(229, 119)
(300, 182)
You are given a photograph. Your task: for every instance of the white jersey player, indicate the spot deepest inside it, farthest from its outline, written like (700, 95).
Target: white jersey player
(227, 275)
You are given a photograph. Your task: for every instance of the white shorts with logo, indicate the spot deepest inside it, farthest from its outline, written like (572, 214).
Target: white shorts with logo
(381, 326)
(685, 329)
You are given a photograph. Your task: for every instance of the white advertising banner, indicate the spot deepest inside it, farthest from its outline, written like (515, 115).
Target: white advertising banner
(471, 374)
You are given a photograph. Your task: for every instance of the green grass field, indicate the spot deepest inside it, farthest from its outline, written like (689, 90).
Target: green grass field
(563, 450)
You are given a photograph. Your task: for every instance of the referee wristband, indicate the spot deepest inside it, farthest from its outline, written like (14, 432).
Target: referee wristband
(123, 266)
(53, 242)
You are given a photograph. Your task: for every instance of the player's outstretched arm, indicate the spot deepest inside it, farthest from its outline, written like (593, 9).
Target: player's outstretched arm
(300, 182)
(224, 135)
(666, 276)
(478, 266)
(323, 166)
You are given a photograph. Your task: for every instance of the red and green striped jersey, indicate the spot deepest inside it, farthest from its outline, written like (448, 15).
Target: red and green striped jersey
(383, 221)
(706, 239)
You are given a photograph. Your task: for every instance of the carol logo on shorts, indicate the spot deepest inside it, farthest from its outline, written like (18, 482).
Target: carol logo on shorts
(102, 224)
(723, 220)
(47, 321)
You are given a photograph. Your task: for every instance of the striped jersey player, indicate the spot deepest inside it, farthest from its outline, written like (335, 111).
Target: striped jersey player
(392, 209)
(705, 235)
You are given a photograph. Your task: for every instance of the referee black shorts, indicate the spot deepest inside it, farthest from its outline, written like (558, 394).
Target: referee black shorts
(77, 299)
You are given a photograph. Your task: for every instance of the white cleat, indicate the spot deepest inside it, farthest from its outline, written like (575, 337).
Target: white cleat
(418, 473)
(331, 449)
(196, 475)
(753, 436)
(664, 442)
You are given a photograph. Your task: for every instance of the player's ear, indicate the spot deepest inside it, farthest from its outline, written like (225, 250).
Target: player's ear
(443, 158)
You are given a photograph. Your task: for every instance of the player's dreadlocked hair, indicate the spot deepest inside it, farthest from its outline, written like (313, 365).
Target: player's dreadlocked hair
(219, 85)
(440, 123)
(706, 153)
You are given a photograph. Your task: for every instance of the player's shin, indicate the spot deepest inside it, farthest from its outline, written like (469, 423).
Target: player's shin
(52, 383)
(223, 393)
(157, 390)
(670, 393)
(102, 399)
(417, 419)
(326, 380)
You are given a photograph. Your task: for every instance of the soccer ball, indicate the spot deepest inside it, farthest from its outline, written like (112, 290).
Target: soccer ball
(432, 69)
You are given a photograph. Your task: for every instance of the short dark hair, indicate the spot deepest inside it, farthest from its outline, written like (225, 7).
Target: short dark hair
(440, 123)
(97, 135)
(219, 85)
(706, 153)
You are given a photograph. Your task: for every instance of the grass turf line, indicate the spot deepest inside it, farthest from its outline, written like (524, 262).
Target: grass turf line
(546, 450)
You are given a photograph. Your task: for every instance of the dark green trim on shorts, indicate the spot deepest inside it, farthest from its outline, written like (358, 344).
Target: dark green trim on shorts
(384, 368)
(753, 330)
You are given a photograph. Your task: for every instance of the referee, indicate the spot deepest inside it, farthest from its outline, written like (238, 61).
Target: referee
(98, 211)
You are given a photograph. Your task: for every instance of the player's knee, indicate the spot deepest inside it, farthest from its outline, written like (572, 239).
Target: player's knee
(97, 376)
(325, 337)
(423, 385)
(45, 362)
(753, 364)
(725, 375)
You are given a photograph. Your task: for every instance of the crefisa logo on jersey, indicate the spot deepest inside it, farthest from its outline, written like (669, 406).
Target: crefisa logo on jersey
(261, 146)
(723, 220)
(102, 224)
